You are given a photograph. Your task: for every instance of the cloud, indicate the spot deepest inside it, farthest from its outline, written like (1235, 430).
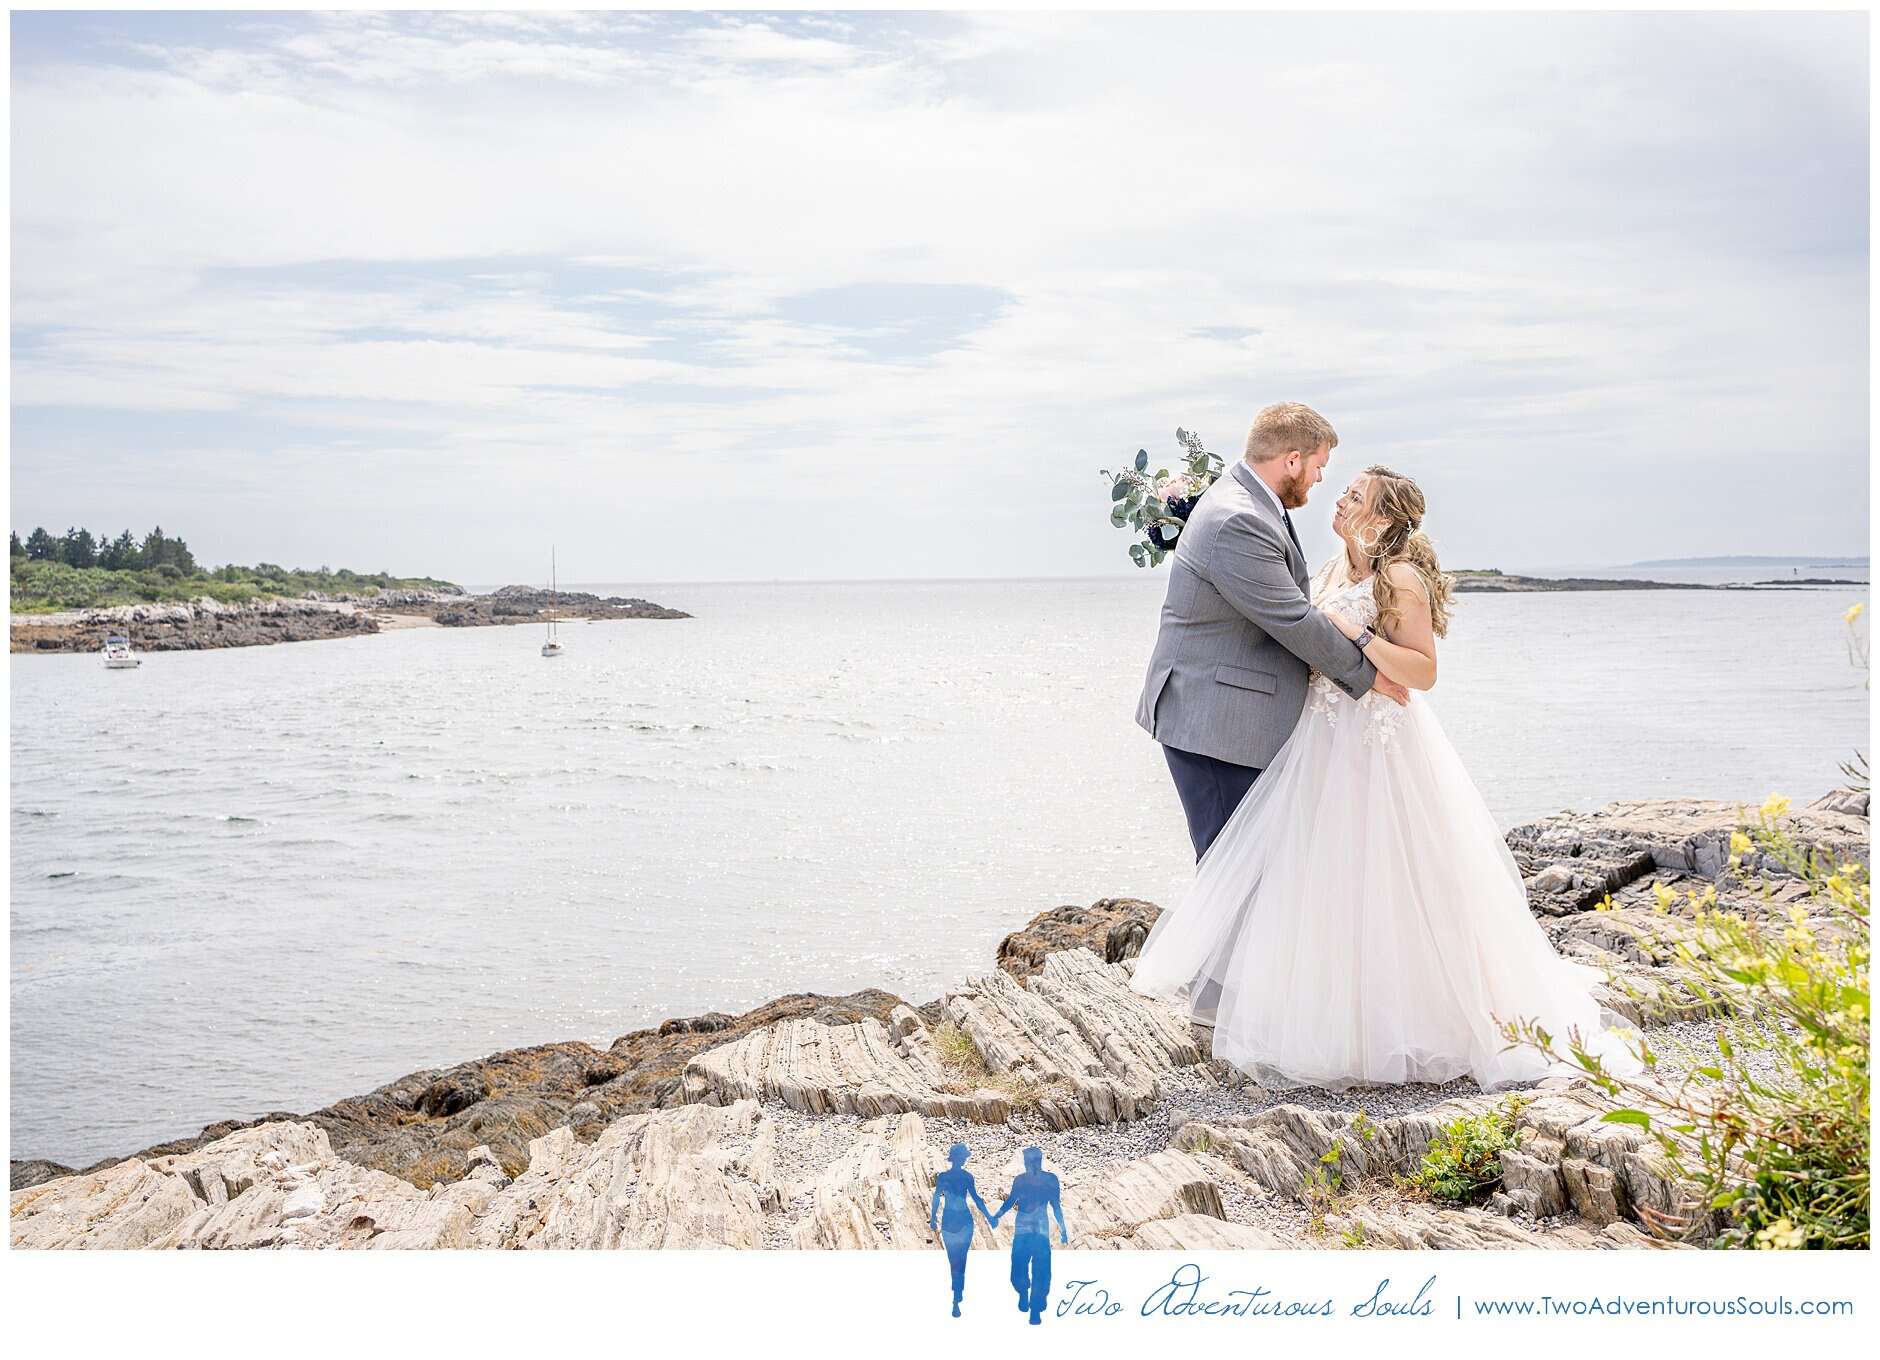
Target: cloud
(855, 266)
(740, 42)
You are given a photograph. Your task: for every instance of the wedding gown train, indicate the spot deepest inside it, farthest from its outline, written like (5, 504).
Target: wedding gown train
(1359, 919)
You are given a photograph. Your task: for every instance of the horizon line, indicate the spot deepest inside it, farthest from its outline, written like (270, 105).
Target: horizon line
(1145, 573)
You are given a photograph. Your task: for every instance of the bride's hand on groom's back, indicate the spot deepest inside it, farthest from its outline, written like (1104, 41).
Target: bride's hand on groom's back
(1390, 689)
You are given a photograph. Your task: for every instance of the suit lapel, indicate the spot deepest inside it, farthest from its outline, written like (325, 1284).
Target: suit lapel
(1263, 504)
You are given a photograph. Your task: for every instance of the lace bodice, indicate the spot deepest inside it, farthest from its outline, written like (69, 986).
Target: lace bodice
(1354, 599)
(1380, 717)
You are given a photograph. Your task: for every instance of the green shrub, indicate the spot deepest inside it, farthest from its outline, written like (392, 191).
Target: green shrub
(43, 586)
(1774, 1135)
(1463, 1163)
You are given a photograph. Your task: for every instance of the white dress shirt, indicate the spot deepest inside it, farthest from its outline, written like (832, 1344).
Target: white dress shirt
(1271, 494)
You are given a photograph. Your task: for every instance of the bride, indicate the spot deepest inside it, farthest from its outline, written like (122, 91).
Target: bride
(1359, 920)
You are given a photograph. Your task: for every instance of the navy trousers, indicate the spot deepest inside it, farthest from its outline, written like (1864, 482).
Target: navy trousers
(1210, 790)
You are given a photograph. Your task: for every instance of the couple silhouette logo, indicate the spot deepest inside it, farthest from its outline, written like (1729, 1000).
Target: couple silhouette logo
(1035, 1196)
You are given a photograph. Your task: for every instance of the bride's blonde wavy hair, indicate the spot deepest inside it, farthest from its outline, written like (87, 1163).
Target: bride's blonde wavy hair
(1396, 535)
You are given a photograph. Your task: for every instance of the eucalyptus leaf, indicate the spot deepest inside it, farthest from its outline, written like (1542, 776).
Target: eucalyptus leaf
(1120, 490)
(1142, 460)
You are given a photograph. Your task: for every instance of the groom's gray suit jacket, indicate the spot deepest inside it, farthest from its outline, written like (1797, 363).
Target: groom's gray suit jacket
(1239, 637)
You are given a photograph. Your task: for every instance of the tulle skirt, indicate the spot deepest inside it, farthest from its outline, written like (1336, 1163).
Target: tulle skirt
(1359, 920)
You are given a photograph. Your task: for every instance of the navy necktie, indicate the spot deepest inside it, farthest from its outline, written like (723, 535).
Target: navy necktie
(1290, 532)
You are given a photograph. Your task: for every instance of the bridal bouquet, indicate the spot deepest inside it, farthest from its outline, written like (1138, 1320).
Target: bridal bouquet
(1157, 507)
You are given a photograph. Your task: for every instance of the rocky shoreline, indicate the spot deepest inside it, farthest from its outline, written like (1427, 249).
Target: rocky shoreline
(205, 623)
(818, 1122)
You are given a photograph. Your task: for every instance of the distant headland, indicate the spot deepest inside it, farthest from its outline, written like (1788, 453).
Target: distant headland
(1752, 561)
(68, 593)
(1493, 582)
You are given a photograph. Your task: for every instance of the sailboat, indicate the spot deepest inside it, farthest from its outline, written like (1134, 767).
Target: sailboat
(552, 647)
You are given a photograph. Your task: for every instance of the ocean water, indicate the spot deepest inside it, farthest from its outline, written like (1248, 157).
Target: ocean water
(263, 879)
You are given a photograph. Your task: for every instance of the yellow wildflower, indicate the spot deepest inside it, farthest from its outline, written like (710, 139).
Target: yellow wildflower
(1774, 806)
(1853, 613)
(1740, 844)
(1665, 897)
(1781, 1235)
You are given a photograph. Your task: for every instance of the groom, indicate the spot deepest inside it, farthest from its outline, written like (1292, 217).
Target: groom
(1238, 636)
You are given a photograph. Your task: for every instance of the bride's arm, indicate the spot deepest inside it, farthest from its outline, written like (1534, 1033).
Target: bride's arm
(1408, 655)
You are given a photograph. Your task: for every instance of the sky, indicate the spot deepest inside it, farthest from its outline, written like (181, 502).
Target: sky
(697, 296)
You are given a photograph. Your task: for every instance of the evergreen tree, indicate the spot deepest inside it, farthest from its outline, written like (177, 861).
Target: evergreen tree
(155, 551)
(78, 548)
(42, 546)
(178, 555)
(18, 549)
(120, 554)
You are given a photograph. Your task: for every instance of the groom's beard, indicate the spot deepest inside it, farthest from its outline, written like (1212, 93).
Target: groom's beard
(1292, 494)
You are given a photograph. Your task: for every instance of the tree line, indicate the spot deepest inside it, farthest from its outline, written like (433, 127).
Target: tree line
(81, 548)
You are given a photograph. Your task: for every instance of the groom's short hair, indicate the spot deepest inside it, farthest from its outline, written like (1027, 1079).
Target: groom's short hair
(1288, 425)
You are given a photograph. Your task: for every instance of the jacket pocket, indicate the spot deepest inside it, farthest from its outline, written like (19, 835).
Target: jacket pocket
(1264, 681)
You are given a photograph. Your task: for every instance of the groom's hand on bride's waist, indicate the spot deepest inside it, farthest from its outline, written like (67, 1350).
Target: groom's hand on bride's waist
(1390, 689)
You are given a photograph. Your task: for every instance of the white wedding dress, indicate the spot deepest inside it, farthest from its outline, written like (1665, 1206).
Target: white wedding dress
(1359, 920)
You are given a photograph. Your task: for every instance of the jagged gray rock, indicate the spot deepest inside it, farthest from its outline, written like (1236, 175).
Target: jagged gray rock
(273, 1185)
(878, 1194)
(861, 1068)
(1201, 1232)
(1092, 1050)
(1408, 1226)
(1567, 1157)
(122, 1206)
(1071, 1040)
(708, 1176)
(1103, 1207)
(695, 1176)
